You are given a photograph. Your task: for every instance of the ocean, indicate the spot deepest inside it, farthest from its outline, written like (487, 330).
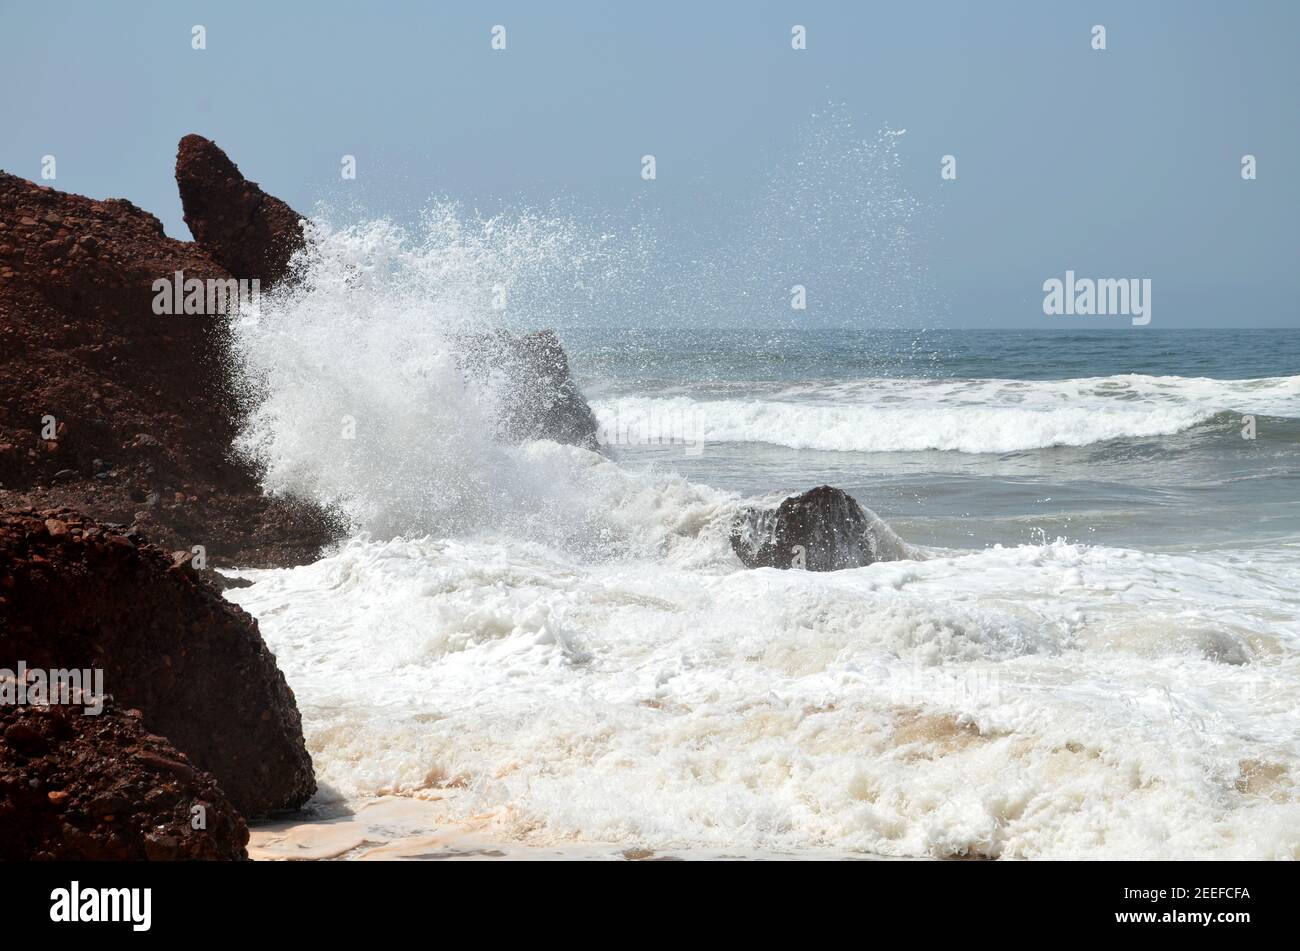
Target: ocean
(1095, 653)
(981, 437)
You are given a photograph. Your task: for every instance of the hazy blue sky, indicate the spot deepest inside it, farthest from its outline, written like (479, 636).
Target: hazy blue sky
(1122, 163)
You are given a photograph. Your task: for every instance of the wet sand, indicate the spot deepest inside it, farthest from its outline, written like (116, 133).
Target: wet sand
(401, 828)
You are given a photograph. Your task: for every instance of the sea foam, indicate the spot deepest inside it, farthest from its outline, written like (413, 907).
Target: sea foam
(548, 641)
(1042, 701)
(353, 394)
(970, 416)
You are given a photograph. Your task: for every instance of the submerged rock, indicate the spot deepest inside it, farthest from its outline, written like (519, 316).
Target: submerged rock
(824, 529)
(538, 396)
(77, 594)
(85, 786)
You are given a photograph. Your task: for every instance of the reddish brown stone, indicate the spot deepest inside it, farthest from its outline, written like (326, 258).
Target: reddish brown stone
(143, 403)
(168, 644)
(250, 233)
(95, 789)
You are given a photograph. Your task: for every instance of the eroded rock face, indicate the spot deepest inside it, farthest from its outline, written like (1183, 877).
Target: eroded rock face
(129, 416)
(75, 593)
(111, 408)
(823, 529)
(248, 232)
(540, 399)
(99, 787)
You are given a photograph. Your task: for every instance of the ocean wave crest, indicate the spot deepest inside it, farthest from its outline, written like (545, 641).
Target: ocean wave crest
(970, 416)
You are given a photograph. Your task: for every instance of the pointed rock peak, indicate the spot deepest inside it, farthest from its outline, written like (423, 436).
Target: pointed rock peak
(250, 233)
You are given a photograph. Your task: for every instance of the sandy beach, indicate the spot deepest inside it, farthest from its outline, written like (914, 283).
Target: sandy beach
(402, 828)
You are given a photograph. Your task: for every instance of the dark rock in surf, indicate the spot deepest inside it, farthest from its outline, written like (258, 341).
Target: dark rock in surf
(824, 529)
(248, 232)
(83, 786)
(538, 396)
(78, 594)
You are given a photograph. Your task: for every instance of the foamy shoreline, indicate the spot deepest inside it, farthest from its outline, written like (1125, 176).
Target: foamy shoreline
(402, 828)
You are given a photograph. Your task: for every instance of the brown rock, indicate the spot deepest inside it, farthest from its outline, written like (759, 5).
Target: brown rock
(111, 803)
(823, 529)
(167, 644)
(540, 398)
(163, 764)
(24, 738)
(80, 341)
(247, 231)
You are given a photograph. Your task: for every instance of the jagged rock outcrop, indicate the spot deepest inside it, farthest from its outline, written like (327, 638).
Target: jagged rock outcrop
(86, 786)
(129, 415)
(77, 594)
(539, 398)
(116, 425)
(116, 410)
(823, 529)
(248, 232)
